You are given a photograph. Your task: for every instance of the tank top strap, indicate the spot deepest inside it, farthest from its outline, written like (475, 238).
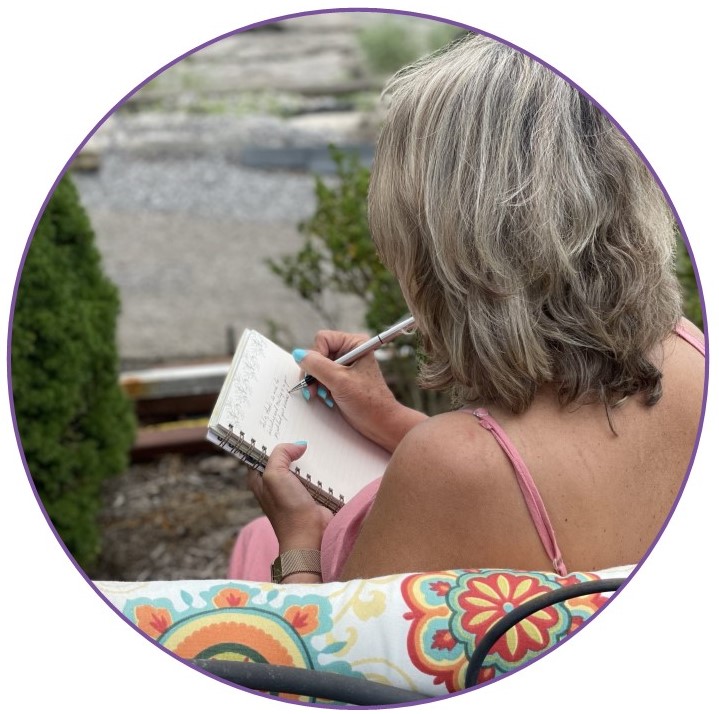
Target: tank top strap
(529, 490)
(687, 336)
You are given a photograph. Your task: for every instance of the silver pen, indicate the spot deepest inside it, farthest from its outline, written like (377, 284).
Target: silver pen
(372, 344)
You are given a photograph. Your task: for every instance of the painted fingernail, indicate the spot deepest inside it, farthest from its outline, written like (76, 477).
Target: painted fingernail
(329, 403)
(306, 394)
(301, 443)
(299, 354)
(322, 392)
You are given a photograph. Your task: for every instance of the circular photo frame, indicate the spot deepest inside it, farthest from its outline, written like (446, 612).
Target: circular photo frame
(280, 172)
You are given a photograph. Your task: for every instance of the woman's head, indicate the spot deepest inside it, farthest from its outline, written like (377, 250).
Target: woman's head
(531, 242)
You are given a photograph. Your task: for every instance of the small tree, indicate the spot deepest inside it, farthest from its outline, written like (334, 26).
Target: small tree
(75, 423)
(339, 256)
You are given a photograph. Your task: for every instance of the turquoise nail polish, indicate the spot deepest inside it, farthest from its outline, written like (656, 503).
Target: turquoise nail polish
(299, 354)
(306, 394)
(321, 392)
(301, 443)
(329, 403)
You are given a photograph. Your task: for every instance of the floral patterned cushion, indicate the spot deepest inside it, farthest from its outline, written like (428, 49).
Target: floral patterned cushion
(415, 631)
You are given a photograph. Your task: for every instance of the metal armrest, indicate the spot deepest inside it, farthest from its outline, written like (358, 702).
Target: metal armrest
(308, 682)
(524, 610)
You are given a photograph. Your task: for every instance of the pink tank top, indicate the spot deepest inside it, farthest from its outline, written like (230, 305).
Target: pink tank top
(340, 536)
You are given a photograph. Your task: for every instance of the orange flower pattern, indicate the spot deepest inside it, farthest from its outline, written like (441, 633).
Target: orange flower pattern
(231, 597)
(305, 619)
(151, 620)
(451, 612)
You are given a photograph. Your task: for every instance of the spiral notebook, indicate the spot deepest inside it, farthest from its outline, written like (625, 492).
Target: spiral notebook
(255, 411)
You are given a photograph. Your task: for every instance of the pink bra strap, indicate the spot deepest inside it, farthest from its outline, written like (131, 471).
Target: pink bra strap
(695, 342)
(529, 490)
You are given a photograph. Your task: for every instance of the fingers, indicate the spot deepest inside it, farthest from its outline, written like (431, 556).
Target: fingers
(278, 467)
(324, 370)
(298, 521)
(254, 483)
(330, 377)
(325, 396)
(320, 363)
(332, 344)
(281, 458)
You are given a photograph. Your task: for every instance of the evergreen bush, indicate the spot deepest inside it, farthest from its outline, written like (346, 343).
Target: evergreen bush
(75, 423)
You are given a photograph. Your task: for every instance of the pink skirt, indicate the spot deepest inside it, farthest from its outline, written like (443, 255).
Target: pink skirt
(256, 545)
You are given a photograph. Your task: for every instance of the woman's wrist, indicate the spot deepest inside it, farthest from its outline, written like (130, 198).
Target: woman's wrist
(300, 542)
(303, 530)
(308, 536)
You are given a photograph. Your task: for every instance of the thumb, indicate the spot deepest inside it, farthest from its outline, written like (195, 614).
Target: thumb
(282, 456)
(320, 367)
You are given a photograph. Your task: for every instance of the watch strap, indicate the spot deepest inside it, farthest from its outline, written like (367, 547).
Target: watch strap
(295, 561)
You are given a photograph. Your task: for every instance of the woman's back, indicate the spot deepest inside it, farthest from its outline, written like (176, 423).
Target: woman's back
(456, 494)
(536, 253)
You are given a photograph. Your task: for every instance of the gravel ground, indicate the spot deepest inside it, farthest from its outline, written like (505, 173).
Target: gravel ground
(208, 186)
(172, 519)
(184, 230)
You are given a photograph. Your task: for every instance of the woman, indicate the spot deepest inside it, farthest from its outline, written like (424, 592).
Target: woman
(536, 252)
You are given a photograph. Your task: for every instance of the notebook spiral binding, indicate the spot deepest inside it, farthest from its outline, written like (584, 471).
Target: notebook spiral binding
(247, 451)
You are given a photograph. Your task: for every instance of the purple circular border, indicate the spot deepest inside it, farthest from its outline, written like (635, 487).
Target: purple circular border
(378, 11)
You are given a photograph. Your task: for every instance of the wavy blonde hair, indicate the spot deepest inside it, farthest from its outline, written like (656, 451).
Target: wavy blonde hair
(531, 242)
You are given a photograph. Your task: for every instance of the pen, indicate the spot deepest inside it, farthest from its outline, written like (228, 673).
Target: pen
(372, 344)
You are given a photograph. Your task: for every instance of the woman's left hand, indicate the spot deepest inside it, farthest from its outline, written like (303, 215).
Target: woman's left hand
(298, 521)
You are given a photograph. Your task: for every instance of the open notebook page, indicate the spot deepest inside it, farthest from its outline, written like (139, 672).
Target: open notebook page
(255, 400)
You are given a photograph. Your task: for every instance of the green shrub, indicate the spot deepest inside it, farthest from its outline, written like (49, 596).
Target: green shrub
(338, 254)
(75, 424)
(390, 43)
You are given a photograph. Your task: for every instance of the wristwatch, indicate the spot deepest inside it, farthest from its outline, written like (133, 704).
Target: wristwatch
(295, 561)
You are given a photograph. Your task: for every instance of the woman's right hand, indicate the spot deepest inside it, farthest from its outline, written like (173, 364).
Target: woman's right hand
(359, 390)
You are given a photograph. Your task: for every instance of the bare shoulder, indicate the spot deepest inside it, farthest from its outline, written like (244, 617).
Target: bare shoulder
(453, 445)
(441, 503)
